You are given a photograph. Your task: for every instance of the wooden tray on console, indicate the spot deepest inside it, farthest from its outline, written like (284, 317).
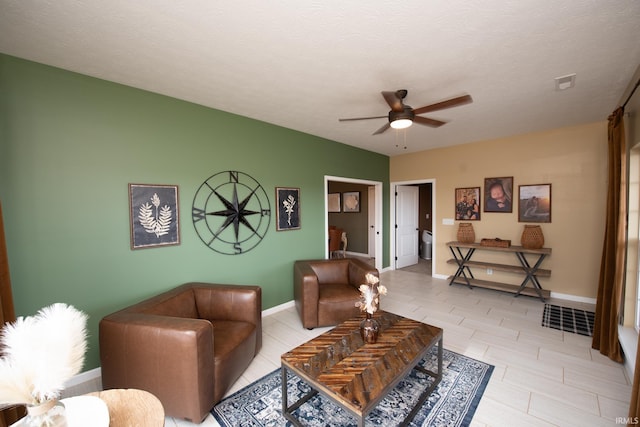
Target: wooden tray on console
(495, 243)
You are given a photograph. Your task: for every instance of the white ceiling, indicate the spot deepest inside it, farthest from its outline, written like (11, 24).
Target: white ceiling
(304, 64)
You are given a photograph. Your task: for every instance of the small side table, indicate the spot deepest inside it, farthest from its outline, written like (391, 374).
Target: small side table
(132, 408)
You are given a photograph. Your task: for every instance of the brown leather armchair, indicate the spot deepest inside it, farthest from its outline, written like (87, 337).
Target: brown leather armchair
(187, 346)
(326, 291)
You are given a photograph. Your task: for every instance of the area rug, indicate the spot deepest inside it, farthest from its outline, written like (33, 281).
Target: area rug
(568, 319)
(452, 403)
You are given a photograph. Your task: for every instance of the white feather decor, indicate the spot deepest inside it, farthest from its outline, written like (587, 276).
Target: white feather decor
(40, 353)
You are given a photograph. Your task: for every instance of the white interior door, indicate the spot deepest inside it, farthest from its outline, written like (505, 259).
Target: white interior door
(407, 233)
(371, 222)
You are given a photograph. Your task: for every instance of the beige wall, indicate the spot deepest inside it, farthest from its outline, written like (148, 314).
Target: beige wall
(573, 160)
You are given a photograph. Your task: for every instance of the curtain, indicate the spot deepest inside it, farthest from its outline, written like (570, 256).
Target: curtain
(7, 314)
(605, 330)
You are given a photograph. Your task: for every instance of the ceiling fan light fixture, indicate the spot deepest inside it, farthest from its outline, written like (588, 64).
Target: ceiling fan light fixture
(401, 119)
(401, 123)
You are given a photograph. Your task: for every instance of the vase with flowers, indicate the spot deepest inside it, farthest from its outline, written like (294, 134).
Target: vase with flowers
(39, 354)
(370, 291)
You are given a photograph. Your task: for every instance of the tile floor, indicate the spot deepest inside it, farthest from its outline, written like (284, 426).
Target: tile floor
(542, 376)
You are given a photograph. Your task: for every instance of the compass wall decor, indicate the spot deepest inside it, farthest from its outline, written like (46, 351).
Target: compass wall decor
(231, 212)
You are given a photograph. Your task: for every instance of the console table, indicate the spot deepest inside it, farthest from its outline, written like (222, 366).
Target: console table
(462, 253)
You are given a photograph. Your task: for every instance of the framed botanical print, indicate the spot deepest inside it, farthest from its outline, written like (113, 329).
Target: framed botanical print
(154, 218)
(467, 205)
(534, 203)
(498, 194)
(288, 211)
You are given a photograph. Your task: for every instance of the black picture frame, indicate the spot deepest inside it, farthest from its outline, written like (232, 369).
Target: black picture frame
(153, 215)
(534, 203)
(502, 198)
(467, 204)
(351, 201)
(288, 208)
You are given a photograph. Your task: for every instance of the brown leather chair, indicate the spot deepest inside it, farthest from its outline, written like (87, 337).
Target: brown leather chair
(187, 346)
(326, 291)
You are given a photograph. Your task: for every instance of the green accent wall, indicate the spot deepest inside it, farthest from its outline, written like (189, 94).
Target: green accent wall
(70, 145)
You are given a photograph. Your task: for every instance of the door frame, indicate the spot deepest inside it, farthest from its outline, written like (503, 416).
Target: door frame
(378, 213)
(392, 220)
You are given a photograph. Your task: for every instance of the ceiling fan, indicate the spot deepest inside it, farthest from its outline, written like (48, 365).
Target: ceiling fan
(402, 116)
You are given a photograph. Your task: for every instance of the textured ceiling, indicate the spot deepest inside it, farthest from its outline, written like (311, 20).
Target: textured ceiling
(304, 64)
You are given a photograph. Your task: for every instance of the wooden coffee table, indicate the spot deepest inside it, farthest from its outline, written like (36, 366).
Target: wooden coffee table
(357, 376)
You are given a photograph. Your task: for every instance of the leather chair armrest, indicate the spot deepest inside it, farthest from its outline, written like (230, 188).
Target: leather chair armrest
(164, 355)
(306, 293)
(241, 303)
(358, 269)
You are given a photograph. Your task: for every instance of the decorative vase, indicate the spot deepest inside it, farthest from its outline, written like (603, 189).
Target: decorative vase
(47, 414)
(532, 237)
(466, 233)
(369, 329)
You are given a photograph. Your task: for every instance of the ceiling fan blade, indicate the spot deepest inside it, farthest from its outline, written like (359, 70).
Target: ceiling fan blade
(394, 99)
(453, 102)
(428, 122)
(382, 129)
(362, 118)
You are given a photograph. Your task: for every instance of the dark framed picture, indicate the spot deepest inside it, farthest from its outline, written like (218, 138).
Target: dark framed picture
(154, 218)
(351, 201)
(534, 203)
(333, 202)
(288, 212)
(498, 194)
(468, 203)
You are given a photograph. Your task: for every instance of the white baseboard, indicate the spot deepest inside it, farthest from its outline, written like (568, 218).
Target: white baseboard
(357, 254)
(574, 298)
(278, 308)
(84, 377)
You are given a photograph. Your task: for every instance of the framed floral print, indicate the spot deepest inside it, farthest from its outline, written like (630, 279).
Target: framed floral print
(351, 201)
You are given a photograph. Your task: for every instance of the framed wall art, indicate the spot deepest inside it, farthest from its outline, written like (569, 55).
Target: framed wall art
(351, 201)
(534, 203)
(468, 203)
(288, 211)
(154, 217)
(498, 194)
(333, 202)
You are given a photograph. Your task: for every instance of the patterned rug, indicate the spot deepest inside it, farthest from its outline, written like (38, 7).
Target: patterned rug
(568, 319)
(453, 402)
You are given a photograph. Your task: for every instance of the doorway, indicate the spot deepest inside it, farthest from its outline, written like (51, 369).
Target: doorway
(371, 221)
(412, 240)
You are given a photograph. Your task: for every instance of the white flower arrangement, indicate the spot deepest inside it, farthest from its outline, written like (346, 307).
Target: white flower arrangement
(371, 292)
(40, 353)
